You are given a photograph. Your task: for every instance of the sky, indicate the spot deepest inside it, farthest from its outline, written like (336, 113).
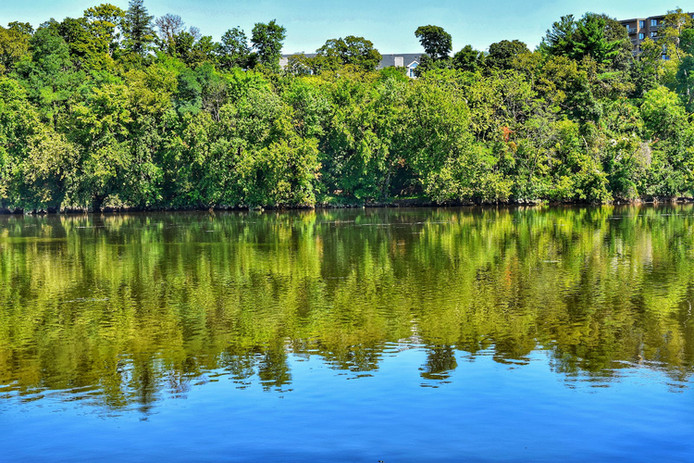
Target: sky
(389, 24)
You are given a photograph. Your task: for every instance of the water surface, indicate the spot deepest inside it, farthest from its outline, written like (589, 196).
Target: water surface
(355, 335)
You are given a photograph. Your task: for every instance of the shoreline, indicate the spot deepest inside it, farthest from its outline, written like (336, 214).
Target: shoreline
(409, 203)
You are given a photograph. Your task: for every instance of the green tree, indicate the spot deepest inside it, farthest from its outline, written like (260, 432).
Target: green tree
(354, 51)
(591, 36)
(137, 27)
(667, 127)
(106, 25)
(503, 54)
(685, 71)
(50, 75)
(647, 70)
(267, 40)
(675, 22)
(468, 59)
(234, 50)
(192, 48)
(87, 49)
(437, 43)
(18, 123)
(301, 65)
(170, 26)
(14, 44)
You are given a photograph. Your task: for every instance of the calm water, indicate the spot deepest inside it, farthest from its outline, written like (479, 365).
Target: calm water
(359, 335)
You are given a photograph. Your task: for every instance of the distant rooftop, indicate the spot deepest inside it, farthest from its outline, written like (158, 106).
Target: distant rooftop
(398, 59)
(389, 60)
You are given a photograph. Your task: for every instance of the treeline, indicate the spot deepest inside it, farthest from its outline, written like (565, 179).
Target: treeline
(117, 109)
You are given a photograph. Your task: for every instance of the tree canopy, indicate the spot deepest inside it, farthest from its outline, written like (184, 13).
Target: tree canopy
(437, 43)
(100, 112)
(355, 51)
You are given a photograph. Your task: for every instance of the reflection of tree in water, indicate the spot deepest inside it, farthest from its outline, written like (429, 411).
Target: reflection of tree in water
(514, 351)
(82, 306)
(239, 366)
(440, 363)
(273, 369)
(144, 384)
(354, 358)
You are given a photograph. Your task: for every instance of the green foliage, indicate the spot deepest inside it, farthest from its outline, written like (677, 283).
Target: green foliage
(300, 65)
(267, 40)
(503, 54)
(92, 116)
(437, 43)
(234, 50)
(468, 59)
(354, 51)
(137, 28)
(106, 25)
(14, 44)
(594, 36)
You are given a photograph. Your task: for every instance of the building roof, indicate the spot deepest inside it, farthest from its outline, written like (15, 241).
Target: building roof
(658, 16)
(386, 60)
(407, 59)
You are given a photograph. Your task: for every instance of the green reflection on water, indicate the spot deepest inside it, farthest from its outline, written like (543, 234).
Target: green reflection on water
(126, 306)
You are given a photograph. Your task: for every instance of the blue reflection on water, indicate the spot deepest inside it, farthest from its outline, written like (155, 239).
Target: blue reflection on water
(483, 411)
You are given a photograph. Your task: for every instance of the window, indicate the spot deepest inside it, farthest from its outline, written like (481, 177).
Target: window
(654, 34)
(642, 24)
(642, 36)
(654, 22)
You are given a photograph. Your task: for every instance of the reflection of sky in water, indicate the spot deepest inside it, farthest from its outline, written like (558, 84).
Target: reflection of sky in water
(485, 410)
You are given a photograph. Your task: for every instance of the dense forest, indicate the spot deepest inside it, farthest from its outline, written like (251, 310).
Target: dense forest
(117, 109)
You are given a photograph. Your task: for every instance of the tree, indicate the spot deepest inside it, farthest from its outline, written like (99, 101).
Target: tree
(49, 75)
(468, 59)
(87, 50)
(558, 40)
(502, 54)
(685, 71)
(616, 32)
(267, 40)
(663, 114)
(234, 51)
(300, 65)
(355, 51)
(14, 44)
(590, 36)
(437, 43)
(170, 26)
(674, 24)
(105, 22)
(138, 28)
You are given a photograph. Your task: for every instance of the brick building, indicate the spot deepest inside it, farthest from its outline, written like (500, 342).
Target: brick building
(641, 28)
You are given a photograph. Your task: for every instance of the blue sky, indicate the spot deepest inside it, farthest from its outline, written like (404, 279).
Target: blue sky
(389, 24)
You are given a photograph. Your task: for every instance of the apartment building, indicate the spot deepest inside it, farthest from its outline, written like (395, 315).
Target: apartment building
(641, 28)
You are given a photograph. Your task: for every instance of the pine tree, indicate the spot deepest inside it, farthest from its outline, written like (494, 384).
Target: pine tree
(139, 32)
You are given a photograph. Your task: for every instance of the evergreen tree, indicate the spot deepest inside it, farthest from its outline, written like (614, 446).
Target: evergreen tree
(139, 33)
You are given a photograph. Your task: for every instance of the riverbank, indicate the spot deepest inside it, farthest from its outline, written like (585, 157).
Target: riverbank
(396, 203)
